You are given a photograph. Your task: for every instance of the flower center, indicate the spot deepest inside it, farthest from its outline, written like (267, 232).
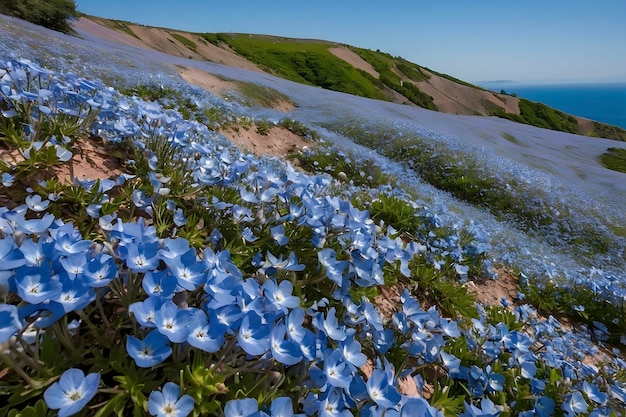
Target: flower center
(75, 395)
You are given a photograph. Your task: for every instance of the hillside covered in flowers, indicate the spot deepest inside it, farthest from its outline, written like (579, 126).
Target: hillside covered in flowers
(183, 275)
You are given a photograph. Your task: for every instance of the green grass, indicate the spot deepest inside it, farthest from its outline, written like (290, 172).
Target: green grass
(187, 42)
(306, 62)
(310, 62)
(540, 115)
(262, 95)
(615, 159)
(510, 138)
(384, 64)
(602, 130)
(411, 71)
(467, 178)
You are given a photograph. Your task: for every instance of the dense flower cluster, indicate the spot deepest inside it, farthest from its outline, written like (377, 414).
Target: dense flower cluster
(267, 316)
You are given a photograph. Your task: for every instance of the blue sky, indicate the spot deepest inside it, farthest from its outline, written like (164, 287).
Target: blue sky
(474, 40)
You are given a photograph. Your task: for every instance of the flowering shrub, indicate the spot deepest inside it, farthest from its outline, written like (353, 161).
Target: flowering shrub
(208, 282)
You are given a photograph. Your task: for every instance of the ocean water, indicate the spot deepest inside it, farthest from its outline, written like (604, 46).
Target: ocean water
(604, 102)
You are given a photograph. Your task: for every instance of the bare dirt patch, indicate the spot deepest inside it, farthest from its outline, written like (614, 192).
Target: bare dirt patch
(491, 291)
(206, 81)
(453, 98)
(223, 88)
(94, 28)
(354, 59)
(278, 142)
(93, 159)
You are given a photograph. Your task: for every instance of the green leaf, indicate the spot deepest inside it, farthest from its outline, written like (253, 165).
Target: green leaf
(114, 406)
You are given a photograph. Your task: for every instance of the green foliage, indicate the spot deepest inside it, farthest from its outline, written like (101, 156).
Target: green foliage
(299, 129)
(262, 95)
(384, 65)
(124, 27)
(510, 138)
(615, 159)
(151, 92)
(395, 212)
(540, 115)
(602, 130)
(414, 94)
(438, 287)
(263, 127)
(579, 303)
(53, 14)
(342, 166)
(304, 62)
(411, 71)
(216, 39)
(187, 42)
(467, 178)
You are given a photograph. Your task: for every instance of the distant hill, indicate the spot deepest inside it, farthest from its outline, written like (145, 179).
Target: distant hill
(349, 69)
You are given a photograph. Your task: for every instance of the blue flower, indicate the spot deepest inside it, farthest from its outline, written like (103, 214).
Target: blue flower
(381, 391)
(159, 284)
(284, 351)
(246, 407)
(575, 404)
(283, 407)
(142, 257)
(35, 203)
(42, 315)
(150, 351)
(253, 336)
(334, 268)
(100, 271)
(36, 285)
(144, 311)
(7, 179)
(336, 370)
(487, 409)
(72, 392)
(172, 321)
(544, 406)
(9, 322)
(415, 407)
(280, 296)
(278, 234)
(330, 325)
(9, 257)
(75, 295)
(205, 336)
(333, 405)
(594, 393)
(167, 403)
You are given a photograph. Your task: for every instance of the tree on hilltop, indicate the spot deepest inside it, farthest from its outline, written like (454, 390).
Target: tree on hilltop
(53, 14)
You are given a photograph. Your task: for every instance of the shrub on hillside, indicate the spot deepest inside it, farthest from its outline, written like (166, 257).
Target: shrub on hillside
(53, 14)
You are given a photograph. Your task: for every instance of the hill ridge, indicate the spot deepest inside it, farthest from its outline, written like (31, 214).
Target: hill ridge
(353, 70)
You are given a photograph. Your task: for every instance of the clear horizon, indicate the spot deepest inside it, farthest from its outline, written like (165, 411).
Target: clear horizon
(532, 41)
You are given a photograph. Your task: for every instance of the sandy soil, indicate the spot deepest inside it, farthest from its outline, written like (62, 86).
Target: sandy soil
(93, 159)
(453, 98)
(206, 81)
(221, 87)
(161, 40)
(491, 291)
(354, 59)
(94, 28)
(278, 142)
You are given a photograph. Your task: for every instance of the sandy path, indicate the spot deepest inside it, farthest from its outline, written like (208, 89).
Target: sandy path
(453, 98)
(354, 59)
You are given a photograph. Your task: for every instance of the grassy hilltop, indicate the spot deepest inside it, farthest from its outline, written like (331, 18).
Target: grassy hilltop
(367, 73)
